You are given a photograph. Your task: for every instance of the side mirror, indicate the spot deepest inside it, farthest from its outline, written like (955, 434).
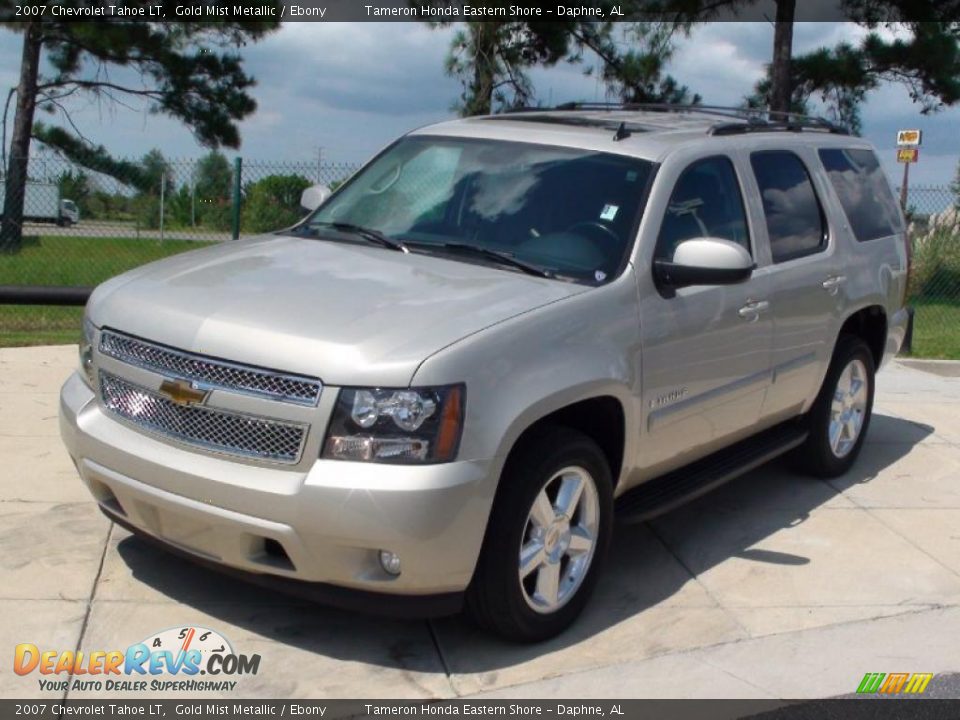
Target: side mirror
(314, 196)
(704, 261)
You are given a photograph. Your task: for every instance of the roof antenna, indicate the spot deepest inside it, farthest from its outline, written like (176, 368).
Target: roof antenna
(622, 133)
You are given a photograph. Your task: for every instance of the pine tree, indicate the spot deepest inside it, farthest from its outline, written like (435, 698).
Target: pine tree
(187, 71)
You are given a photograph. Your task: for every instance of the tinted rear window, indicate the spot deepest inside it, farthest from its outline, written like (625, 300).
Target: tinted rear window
(863, 191)
(795, 222)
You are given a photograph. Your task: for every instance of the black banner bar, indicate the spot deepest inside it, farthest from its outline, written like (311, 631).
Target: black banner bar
(879, 708)
(44, 295)
(467, 10)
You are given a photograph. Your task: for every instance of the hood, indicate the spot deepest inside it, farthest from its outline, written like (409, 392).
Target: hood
(346, 313)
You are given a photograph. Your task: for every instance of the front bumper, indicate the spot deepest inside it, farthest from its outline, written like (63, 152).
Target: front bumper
(316, 532)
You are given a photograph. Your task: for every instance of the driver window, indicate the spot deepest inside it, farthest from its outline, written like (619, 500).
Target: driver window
(706, 202)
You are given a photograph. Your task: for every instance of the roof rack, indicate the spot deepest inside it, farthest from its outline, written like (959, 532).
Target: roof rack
(742, 120)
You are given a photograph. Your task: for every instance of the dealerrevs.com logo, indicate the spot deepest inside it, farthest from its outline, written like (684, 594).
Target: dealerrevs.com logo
(178, 659)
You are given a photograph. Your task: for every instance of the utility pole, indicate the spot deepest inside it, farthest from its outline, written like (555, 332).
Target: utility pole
(319, 163)
(903, 187)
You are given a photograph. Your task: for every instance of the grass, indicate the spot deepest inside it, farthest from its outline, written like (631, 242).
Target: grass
(90, 261)
(936, 328)
(68, 261)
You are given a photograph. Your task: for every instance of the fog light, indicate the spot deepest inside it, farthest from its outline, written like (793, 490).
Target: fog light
(390, 562)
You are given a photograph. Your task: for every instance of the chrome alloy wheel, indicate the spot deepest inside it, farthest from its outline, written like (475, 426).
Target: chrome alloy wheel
(848, 409)
(559, 539)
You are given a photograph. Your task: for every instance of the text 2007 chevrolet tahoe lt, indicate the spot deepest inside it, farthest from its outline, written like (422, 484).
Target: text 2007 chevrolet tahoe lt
(444, 383)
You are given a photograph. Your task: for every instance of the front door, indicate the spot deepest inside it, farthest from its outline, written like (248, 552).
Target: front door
(706, 349)
(809, 292)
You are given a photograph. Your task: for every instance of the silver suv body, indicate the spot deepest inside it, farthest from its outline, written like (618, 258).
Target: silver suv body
(449, 377)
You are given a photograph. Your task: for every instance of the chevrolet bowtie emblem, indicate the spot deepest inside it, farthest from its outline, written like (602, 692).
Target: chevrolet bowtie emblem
(182, 392)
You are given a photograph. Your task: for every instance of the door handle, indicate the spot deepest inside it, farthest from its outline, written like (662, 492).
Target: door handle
(832, 284)
(751, 311)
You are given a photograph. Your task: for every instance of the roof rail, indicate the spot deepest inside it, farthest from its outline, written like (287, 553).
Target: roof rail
(751, 119)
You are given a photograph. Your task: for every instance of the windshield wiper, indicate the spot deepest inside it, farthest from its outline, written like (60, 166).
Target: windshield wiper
(498, 256)
(366, 233)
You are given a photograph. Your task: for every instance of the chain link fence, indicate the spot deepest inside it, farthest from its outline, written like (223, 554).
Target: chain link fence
(933, 215)
(82, 227)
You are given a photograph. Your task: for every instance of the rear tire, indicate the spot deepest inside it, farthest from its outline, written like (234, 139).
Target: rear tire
(548, 534)
(840, 416)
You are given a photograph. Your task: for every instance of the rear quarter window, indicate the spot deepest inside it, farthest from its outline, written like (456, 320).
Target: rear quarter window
(863, 191)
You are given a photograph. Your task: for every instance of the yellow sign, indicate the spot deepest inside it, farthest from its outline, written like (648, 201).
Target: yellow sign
(908, 154)
(910, 138)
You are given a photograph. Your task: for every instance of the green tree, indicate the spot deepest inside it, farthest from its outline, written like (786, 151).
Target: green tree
(155, 172)
(273, 202)
(213, 178)
(92, 157)
(105, 205)
(633, 59)
(955, 186)
(491, 59)
(75, 185)
(927, 63)
(180, 207)
(185, 70)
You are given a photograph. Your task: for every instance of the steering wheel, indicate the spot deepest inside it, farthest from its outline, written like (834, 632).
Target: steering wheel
(594, 225)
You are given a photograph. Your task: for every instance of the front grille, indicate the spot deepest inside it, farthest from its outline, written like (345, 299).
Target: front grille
(203, 427)
(210, 372)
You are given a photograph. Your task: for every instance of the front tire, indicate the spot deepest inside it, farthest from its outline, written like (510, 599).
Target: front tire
(547, 537)
(840, 416)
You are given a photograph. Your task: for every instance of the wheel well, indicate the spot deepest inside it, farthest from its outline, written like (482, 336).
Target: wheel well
(600, 418)
(870, 325)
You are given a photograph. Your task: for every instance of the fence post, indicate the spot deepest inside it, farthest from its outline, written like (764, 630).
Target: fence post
(907, 347)
(237, 169)
(163, 182)
(904, 188)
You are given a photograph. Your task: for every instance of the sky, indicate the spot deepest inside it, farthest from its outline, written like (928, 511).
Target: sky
(347, 89)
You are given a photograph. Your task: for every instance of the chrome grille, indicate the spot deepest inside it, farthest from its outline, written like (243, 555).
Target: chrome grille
(203, 427)
(210, 372)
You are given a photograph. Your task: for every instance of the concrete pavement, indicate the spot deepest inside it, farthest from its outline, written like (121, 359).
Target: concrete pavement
(776, 585)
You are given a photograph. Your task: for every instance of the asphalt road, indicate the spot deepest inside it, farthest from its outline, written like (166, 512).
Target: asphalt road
(91, 228)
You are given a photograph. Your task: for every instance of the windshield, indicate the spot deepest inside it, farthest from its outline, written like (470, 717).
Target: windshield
(572, 212)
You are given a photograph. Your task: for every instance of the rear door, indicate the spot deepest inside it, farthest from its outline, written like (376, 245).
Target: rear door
(806, 271)
(706, 349)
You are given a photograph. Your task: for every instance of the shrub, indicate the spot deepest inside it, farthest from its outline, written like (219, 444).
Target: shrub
(936, 257)
(146, 209)
(273, 203)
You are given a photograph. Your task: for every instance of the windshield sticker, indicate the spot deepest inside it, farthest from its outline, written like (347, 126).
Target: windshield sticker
(609, 212)
(631, 175)
(600, 276)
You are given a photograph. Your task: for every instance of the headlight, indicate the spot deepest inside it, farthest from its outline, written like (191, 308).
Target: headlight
(86, 351)
(410, 425)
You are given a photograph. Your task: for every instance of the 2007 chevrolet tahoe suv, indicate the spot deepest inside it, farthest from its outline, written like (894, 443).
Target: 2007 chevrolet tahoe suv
(444, 384)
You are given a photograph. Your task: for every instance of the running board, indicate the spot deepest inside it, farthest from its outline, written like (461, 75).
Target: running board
(661, 494)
